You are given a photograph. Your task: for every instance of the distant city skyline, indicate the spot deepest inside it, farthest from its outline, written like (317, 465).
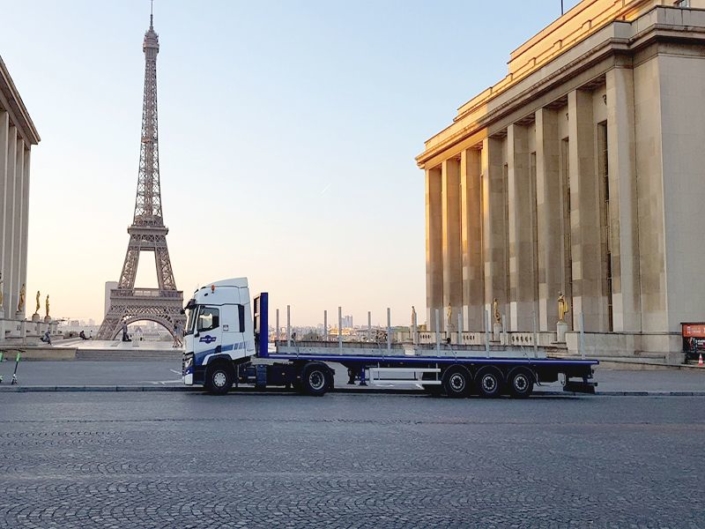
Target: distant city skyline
(288, 136)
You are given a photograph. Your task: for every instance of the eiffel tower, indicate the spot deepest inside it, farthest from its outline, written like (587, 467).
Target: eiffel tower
(147, 233)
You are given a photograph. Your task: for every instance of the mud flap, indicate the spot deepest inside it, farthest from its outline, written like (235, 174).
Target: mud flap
(572, 386)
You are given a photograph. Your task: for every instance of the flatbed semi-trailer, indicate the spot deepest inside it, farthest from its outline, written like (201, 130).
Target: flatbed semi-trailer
(227, 344)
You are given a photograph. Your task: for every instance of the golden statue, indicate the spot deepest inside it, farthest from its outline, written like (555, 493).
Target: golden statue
(562, 307)
(495, 311)
(20, 303)
(47, 306)
(39, 305)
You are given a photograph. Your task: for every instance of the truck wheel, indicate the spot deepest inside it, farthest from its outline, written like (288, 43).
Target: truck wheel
(489, 382)
(457, 382)
(521, 383)
(314, 379)
(219, 379)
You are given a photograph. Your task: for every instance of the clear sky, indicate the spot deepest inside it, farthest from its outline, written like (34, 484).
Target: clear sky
(287, 129)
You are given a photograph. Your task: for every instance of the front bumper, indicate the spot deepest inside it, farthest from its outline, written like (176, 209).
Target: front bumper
(189, 373)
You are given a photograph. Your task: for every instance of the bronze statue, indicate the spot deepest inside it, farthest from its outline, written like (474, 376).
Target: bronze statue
(20, 303)
(47, 306)
(562, 307)
(39, 305)
(495, 311)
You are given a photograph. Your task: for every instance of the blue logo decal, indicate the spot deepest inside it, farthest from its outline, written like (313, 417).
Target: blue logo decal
(207, 338)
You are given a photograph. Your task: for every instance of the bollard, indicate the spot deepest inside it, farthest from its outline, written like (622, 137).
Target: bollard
(17, 363)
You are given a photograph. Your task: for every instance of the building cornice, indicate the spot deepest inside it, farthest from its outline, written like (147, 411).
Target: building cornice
(618, 38)
(11, 100)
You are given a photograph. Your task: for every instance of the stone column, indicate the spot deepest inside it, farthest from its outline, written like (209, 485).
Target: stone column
(494, 225)
(25, 229)
(17, 226)
(471, 235)
(4, 134)
(520, 199)
(452, 263)
(585, 215)
(9, 274)
(434, 246)
(623, 200)
(549, 211)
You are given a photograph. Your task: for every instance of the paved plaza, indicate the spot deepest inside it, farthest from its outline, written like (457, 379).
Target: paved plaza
(189, 460)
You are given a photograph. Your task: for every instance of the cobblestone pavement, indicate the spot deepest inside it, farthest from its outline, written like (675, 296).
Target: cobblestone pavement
(187, 460)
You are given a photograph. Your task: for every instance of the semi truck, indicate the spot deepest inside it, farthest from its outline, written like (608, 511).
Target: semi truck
(227, 344)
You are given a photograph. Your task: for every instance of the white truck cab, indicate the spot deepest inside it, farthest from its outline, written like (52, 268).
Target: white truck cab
(219, 328)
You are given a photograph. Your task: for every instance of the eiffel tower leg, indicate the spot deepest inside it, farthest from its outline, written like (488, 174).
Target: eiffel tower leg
(165, 275)
(129, 268)
(110, 326)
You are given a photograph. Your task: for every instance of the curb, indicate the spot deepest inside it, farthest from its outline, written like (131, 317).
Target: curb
(355, 391)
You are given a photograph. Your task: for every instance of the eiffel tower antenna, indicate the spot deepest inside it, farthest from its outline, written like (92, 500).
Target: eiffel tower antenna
(147, 233)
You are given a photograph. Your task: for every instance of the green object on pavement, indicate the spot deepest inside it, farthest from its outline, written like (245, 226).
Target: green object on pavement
(18, 357)
(1, 354)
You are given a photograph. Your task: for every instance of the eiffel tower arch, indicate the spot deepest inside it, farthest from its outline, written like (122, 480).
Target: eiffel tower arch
(163, 304)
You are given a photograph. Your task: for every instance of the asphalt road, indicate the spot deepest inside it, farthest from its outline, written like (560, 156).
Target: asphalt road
(155, 374)
(166, 460)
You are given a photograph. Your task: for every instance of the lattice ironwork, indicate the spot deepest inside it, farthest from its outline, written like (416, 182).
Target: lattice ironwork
(147, 233)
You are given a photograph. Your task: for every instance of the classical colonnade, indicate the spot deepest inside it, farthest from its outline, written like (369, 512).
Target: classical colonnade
(541, 205)
(14, 214)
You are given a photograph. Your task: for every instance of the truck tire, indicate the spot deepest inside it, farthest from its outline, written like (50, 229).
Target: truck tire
(489, 382)
(219, 379)
(315, 379)
(457, 382)
(521, 382)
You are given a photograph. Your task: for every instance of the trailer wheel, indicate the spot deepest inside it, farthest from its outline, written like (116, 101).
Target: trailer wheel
(521, 383)
(315, 379)
(457, 382)
(219, 379)
(489, 382)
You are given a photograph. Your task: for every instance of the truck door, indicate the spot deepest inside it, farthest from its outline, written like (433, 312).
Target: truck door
(207, 336)
(237, 341)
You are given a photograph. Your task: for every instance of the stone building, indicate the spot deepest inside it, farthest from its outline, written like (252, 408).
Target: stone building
(17, 135)
(581, 172)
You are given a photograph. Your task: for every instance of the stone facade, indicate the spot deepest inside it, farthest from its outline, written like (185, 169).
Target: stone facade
(17, 135)
(580, 172)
